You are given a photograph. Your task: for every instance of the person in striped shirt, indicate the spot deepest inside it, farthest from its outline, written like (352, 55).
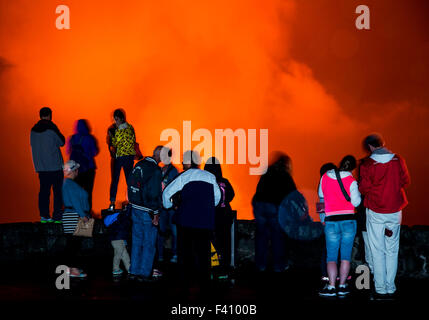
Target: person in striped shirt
(76, 205)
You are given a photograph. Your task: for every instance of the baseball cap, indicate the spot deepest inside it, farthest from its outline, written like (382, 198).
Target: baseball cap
(70, 166)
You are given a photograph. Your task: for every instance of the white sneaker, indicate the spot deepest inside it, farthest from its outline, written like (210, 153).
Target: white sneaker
(156, 273)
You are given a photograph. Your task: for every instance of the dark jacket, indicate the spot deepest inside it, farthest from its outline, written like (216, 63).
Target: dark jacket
(361, 210)
(46, 140)
(169, 173)
(83, 138)
(150, 195)
(274, 186)
(227, 193)
(223, 211)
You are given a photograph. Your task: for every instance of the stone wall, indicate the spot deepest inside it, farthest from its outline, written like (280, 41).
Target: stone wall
(19, 241)
(413, 252)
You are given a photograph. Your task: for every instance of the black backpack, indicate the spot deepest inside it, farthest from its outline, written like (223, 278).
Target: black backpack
(295, 220)
(78, 154)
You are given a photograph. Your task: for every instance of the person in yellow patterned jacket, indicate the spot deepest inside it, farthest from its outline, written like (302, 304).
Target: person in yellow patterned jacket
(121, 140)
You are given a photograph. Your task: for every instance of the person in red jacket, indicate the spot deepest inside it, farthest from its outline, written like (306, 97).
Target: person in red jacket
(383, 177)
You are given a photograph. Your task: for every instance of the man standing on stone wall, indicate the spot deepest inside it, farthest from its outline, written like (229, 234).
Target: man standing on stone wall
(46, 140)
(383, 177)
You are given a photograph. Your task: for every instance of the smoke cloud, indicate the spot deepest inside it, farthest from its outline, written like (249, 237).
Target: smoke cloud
(297, 68)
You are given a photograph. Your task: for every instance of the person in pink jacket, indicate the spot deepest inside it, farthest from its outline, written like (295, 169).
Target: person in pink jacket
(339, 191)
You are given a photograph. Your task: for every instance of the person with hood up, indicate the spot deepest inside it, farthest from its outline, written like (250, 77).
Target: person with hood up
(46, 140)
(82, 147)
(383, 178)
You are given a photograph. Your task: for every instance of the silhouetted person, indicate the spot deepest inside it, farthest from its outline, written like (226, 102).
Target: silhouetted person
(169, 173)
(199, 194)
(82, 147)
(340, 193)
(223, 215)
(144, 194)
(46, 140)
(361, 224)
(383, 178)
(121, 140)
(272, 188)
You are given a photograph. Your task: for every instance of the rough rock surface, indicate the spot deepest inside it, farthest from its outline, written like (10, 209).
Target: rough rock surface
(19, 241)
(413, 252)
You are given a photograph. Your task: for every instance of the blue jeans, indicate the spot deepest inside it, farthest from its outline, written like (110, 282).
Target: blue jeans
(339, 235)
(143, 249)
(268, 229)
(165, 222)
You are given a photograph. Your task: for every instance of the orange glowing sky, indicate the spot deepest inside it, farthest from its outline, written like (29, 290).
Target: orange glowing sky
(298, 68)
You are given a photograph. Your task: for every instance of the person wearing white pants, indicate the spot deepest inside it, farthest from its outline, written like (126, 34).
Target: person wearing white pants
(368, 255)
(383, 178)
(383, 248)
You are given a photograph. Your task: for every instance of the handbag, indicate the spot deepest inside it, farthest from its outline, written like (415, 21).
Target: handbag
(84, 229)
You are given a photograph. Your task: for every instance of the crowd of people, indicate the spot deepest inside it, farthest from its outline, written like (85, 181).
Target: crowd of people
(370, 204)
(194, 206)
